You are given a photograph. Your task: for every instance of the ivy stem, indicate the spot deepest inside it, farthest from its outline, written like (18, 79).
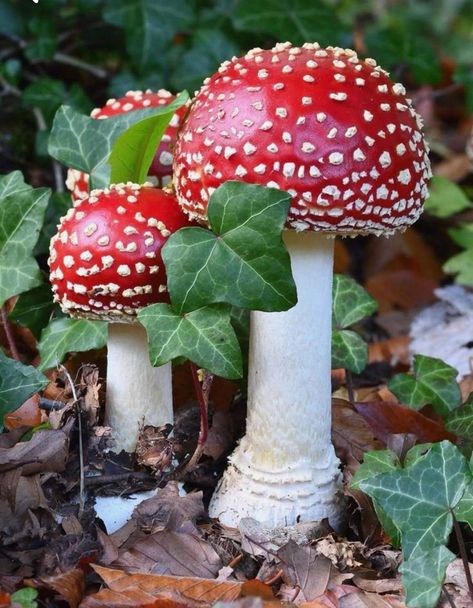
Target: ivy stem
(9, 334)
(202, 391)
(463, 554)
(349, 386)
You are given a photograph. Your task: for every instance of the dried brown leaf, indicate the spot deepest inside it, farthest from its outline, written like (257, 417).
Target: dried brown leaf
(387, 418)
(351, 434)
(167, 509)
(220, 437)
(360, 599)
(129, 588)
(182, 553)
(401, 290)
(371, 582)
(305, 570)
(28, 414)
(68, 587)
(45, 452)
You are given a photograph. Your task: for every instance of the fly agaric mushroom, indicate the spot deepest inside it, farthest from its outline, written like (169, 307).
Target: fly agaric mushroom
(106, 264)
(161, 167)
(338, 135)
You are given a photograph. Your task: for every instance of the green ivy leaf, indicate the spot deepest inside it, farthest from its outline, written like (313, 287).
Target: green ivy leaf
(375, 463)
(22, 210)
(149, 25)
(33, 309)
(421, 498)
(134, 150)
(462, 235)
(209, 47)
(205, 336)
(350, 302)
(434, 382)
(25, 597)
(460, 421)
(45, 39)
(84, 143)
(464, 509)
(349, 350)
(446, 198)
(17, 383)
(423, 576)
(461, 265)
(294, 20)
(66, 335)
(242, 262)
(48, 94)
(59, 204)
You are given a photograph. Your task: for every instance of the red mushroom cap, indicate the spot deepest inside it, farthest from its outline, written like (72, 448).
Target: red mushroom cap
(331, 129)
(161, 167)
(105, 260)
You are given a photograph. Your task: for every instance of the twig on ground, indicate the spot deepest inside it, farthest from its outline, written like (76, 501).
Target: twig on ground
(101, 480)
(81, 446)
(82, 65)
(9, 334)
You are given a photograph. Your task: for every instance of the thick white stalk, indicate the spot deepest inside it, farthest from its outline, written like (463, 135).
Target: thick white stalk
(137, 393)
(285, 470)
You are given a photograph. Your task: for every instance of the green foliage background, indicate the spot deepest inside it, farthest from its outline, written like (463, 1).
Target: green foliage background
(81, 52)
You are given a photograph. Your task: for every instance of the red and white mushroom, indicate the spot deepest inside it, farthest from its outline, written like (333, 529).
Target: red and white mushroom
(161, 167)
(337, 134)
(105, 263)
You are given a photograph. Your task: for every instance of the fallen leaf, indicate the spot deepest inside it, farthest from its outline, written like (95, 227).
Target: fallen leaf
(351, 434)
(167, 509)
(67, 587)
(370, 581)
(129, 588)
(305, 570)
(393, 350)
(360, 599)
(256, 588)
(46, 451)
(182, 553)
(387, 418)
(403, 251)
(401, 289)
(220, 437)
(28, 414)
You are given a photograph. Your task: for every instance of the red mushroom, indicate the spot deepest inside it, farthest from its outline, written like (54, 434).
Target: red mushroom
(161, 167)
(106, 264)
(341, 137)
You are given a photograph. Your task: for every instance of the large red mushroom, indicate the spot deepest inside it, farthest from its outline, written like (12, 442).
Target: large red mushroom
(161, 167)
(341, 137)
(106, 264)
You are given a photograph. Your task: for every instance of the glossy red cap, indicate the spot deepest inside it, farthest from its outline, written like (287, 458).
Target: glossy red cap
(331, 129)
(105, 260)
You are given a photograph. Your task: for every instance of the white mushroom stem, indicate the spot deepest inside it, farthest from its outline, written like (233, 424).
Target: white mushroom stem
(137, 393)
(284, 470)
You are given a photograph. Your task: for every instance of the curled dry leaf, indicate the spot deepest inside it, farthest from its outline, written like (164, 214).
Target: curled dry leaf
(351, 434)
(45, 452)
(304, 570)
(28, 414)
(393, 350)
(387, 418)
(67, 587)
(401, 290)
(130, 589)
(182, 553)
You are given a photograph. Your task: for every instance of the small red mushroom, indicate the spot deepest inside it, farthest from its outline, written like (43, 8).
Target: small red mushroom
(106, 264)
(337, 134)
(161, 167)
